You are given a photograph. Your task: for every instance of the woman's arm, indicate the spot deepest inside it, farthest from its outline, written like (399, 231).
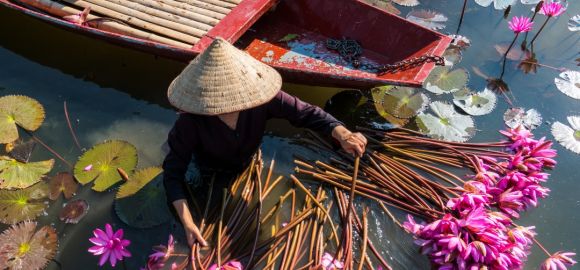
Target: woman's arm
(181, 141)
(303, 114)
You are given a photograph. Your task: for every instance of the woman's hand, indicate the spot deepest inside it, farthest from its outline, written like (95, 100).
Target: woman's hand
(191, 231)
(352, 143)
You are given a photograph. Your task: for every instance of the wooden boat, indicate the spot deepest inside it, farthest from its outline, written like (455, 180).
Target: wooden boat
(291, 36)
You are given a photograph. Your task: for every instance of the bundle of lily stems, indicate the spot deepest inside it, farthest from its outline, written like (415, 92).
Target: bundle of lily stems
(468, 196)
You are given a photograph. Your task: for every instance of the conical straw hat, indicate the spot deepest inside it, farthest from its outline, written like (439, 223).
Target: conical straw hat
(221, 80)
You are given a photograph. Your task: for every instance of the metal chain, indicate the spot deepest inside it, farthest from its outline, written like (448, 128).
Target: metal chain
(351, 51)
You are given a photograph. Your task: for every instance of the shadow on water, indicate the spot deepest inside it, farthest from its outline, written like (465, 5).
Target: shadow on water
(143, 76)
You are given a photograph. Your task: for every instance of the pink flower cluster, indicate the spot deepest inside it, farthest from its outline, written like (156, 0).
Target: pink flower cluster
(478, 230)
(552, 9)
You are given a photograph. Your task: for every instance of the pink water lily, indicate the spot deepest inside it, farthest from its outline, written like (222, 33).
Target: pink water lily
(88, 168)
(559, 261)
(162, 253)
(227, 266)
(328, 263)
(520, 24)
(109, 245)
(552, 9)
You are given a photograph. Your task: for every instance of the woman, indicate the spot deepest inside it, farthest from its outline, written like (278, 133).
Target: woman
(226, 97)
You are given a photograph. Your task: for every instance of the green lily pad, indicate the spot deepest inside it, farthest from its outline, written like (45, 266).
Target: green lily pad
(137, 181)
(145, 209)
(62, 182)
(447, 124)
(15, 174)
(23, 204)
(19, 110)
(100, 164)
(404, 102)
(442, 80)
(480, 103)
(378, 94)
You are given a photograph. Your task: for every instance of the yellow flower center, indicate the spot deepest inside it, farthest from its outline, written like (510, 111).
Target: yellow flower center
(21, 201)
(577, 135)
(23, 249)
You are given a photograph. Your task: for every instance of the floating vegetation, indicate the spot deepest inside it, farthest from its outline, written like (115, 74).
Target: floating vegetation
(574, 23)
(480, 103)
(503, 4)
(15, 174)
(385, 5)
(23, 204)
(447, 124)
(378, 94)
(18, 110)
(569, 83)
(407, 3)
(73, 211)
(146, 208)
(100, 164)
(529, 119)
(22, 247)
(460, 42)
(568, 136)
(428, 18)
(62, 182)
(443, 80)
(21, 150)
(137, 181)
(402, 102)
(452, 56)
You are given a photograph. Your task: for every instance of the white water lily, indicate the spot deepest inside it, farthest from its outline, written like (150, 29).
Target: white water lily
(480, 103)
(568, 136)
(569, 83)
(447, 124)
(529, 119)
(503, 4)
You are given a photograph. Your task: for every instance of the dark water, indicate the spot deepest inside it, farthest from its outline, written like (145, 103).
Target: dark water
(114, 92)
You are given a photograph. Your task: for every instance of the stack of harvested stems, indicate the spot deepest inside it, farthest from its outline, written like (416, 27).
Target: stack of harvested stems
(244, 231)
(179, 23)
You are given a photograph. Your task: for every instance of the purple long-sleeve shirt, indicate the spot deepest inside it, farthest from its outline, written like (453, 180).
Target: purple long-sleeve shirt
(217, 146)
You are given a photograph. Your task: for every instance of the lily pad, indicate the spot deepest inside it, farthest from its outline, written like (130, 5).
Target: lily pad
(447, 124)
(574, 23)
(100, 164)
(385, 5)
(529, 119)
(378, 94)
(497, 4)
(19, 110)
(21, 150)
(568, 136)
(404, 102)
(442, 80)
(16, 174)
(62, 182)
(460, 42)
(428, 18)
(137, 181)
(22, 247)
(452, 56)
(145, 209)
(74, 211)
(407, 3)
(569, 83)
(23, 204)
(480, 103)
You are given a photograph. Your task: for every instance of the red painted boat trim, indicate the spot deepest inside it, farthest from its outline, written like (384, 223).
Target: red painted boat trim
(236, 23)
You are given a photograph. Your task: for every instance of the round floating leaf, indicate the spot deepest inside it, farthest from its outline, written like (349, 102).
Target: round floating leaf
(404, 102)
(529, 119)
(19, 110)
(74, 211)
(568, 136)
(428, 18)
(21, 150)
(62, 182)
(16, 174)
(574, 23)
(384, 5)
(569, 83)
(443, 81)
(452, 56)
(22, 247)
(378, 94)
(497, 4)
(447, 124)
(480, 103)
(145, 209)
(460, 42)
(137, 181)
(23, 204)
(100, 163)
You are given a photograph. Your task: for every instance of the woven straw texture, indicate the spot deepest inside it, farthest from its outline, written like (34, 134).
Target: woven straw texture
(221, 80)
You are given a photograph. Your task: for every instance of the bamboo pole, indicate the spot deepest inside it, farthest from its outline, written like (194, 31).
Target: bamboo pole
(151, 15)
(235, 2)
(198, 9)
(60, 10)
(206, 5)
(135, 21)
(220, 3)
(200, 18)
